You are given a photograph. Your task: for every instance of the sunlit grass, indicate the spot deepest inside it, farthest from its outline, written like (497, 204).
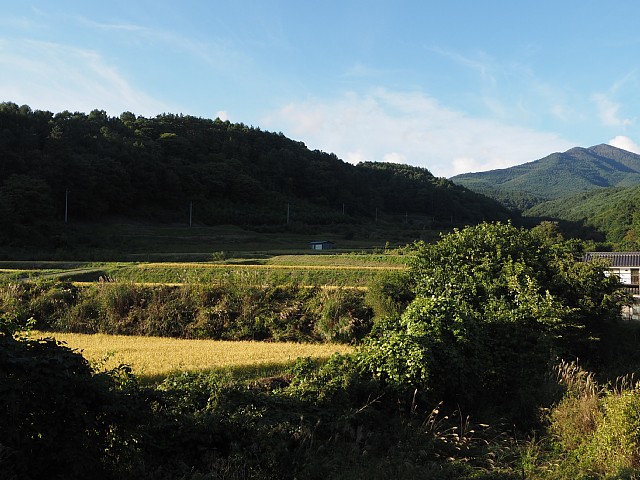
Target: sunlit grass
(355, 261)
(156, 357)
(337, 275)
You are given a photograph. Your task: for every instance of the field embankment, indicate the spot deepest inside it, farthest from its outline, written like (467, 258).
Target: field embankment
(300, 298)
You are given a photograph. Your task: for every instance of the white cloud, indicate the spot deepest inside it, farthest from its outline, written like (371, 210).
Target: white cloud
(625, 143)
(608, 111)
(395, 157)
(51, 76)
(412, 127)
(222, 115)
(355, 157)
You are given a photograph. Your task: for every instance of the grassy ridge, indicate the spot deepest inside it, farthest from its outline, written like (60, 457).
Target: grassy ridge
(396, 258)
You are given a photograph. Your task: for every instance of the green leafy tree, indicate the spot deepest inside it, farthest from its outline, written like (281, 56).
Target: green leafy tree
(25, 202)
(494, 306)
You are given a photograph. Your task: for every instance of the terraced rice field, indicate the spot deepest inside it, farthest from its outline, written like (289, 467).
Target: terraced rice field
(156, 357)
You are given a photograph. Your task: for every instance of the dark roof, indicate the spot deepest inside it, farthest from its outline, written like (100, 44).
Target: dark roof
(616, 259)
(320, 242)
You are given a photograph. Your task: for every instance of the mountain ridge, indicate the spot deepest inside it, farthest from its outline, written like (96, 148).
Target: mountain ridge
(558, 174)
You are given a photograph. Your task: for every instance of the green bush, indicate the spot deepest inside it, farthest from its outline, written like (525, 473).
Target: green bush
(389, 294)
(341, 315)
(494, 306)
(58, 418)
(235, 310)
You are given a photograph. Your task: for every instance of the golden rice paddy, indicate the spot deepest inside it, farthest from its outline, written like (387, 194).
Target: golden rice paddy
(158, 357)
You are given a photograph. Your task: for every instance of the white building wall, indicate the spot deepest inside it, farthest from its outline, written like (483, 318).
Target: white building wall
(624, 274)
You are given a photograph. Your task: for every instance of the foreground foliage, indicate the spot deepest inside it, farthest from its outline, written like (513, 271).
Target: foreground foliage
(597, 427)
(59, 419)
(314, 421)
(493, 308)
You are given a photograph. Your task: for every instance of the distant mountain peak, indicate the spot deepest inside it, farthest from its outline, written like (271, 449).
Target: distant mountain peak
(605, 148)
(577, 170)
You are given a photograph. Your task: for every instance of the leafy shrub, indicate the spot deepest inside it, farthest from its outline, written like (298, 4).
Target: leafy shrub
(235, 310)
(25, 300)
(389, 294)
(59, 419)
(342, 316)
(494, 305)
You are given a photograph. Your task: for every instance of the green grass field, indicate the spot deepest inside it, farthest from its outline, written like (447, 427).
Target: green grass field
(335, 269)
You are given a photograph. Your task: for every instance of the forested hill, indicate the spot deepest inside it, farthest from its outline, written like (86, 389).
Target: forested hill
(155, 169)
(557, 175)
(613, 212)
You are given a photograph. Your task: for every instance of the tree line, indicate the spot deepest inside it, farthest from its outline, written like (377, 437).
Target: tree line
(88, 167)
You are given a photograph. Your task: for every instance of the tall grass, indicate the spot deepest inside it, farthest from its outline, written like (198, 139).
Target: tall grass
(235, 310)
(596, 427)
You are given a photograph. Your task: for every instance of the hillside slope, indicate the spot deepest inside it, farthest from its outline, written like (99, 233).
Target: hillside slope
(556, 175)
(615, 212)
(164, 169)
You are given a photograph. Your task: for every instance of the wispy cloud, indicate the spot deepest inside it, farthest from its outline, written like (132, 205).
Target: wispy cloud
(481, 63)
(51, 76)
(609, 108)
(383, 125)
(219, 53)
(122, 27)
(507, 89)
(609, 111)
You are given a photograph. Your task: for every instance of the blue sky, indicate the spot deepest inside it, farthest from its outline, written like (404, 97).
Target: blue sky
(453, 86)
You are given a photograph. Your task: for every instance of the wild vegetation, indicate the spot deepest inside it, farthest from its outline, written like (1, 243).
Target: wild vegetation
(455, 380)
(231, 311)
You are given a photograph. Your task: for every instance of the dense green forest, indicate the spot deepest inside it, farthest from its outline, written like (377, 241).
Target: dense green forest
(175, 168)
(557, 175)
(612, 212)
